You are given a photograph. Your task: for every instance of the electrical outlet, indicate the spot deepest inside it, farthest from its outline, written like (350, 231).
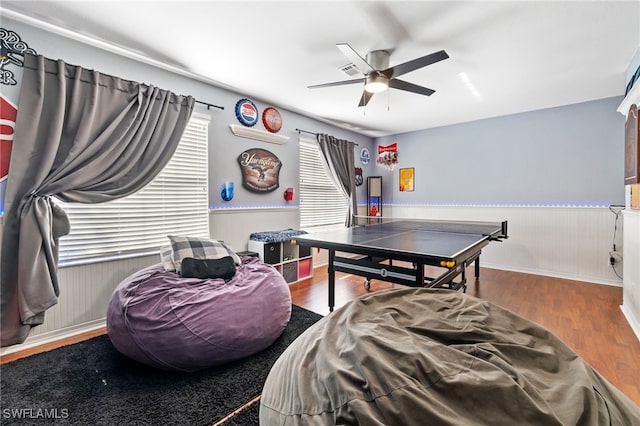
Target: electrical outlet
(612, 261)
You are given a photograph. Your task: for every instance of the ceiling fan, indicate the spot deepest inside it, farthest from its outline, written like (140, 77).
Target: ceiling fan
(378, 76)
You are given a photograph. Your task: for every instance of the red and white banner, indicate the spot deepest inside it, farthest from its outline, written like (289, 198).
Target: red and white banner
(388, 156)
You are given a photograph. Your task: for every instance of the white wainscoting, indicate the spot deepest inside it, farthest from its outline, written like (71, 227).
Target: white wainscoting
(631, 292)
(85, 291)
(564, 242)
(234, 225)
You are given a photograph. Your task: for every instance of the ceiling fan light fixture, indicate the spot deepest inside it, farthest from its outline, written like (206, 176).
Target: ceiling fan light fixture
(376, 83)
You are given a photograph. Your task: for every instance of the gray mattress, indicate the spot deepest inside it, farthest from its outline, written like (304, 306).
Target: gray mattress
(435, 357)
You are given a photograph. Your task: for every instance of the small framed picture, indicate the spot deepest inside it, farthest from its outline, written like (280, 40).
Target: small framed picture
(407, 179)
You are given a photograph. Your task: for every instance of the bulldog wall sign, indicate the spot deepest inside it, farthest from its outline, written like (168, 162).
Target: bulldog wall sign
(260, 170)
(13, 49)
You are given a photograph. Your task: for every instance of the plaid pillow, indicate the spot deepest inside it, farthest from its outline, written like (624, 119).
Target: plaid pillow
(166, 254)
(199, 248)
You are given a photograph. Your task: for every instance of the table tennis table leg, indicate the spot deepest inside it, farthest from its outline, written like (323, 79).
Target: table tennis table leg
(419, 268)
(477, 265)
(332, 280)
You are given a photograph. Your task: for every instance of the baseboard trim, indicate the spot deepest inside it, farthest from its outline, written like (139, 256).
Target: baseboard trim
(614, 283)
(46, 341)
(631, 319)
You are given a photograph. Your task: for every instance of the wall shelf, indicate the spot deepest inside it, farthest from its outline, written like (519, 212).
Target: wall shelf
(257, 134)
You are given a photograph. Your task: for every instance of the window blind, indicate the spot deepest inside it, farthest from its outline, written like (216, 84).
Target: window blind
(321, 203)
(175, 202)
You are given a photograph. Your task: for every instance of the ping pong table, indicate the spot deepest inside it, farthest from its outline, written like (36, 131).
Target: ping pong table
(450, 245)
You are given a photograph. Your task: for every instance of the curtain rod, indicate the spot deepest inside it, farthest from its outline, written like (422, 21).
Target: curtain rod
(316, 134)
(304, 131)
(208, 104)
(17, 52)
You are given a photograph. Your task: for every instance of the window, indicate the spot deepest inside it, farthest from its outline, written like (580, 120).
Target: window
(321, 203)
(175, 202)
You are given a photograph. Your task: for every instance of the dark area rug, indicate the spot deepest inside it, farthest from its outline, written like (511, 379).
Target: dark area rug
(91, 383)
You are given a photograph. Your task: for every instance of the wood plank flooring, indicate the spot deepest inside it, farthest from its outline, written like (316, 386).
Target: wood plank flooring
(587, 317)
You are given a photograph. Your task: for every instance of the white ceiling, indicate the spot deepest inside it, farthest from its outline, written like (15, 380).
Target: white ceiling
(505, 57)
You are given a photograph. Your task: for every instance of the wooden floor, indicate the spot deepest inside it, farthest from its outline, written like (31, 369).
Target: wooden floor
(587, 317)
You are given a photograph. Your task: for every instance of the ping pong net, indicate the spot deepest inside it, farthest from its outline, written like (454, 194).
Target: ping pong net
(495, 230)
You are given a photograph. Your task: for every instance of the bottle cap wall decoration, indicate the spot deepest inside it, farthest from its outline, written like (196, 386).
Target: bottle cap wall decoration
(272, 119)
(246, 112)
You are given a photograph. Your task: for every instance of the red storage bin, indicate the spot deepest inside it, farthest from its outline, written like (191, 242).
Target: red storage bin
(304, 268)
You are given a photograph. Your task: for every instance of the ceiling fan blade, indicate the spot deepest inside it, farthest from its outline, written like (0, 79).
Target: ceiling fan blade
(362, 65)
(366, 97)
(337, 83)
(410, 87)
(413, 65)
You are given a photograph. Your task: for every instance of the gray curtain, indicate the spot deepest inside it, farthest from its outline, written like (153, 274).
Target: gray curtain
(80, 136)
(340, 159)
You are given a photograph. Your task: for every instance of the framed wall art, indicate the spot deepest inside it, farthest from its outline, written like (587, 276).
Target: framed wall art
(407, 179)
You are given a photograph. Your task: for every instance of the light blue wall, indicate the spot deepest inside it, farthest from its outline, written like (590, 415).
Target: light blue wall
(224, 147)
(569, 155)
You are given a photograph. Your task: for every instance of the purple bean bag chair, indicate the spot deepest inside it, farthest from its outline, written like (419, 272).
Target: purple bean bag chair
(187, 324)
